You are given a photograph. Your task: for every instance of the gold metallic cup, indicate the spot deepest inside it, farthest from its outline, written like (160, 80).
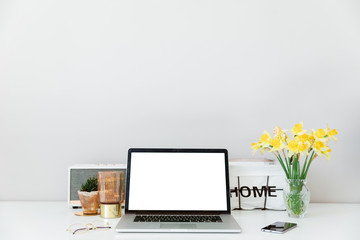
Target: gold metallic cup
(110, 210)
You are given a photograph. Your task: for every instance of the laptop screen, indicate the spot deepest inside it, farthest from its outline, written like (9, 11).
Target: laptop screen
(177, 181)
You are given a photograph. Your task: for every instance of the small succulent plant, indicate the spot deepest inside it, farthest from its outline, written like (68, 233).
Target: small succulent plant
(90, 185)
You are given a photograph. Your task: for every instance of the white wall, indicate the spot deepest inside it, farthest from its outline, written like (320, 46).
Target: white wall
(81, 81)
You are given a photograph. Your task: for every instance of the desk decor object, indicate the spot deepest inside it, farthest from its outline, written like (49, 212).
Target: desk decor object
(289, 146)
(111, 193)
(256, 184)
(89, 196)
(79, 173)
(80, 228)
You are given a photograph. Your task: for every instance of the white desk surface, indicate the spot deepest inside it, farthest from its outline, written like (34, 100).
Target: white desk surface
(49, 220)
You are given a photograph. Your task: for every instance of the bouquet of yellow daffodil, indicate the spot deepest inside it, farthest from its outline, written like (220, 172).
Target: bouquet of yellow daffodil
(288, 149)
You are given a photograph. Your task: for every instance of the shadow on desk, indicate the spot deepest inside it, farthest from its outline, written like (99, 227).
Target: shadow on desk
(187, 236)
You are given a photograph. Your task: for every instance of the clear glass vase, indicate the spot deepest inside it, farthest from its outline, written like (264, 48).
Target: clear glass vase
(296, 197)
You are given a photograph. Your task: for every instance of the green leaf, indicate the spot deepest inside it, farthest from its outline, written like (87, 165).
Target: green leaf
(90, 185)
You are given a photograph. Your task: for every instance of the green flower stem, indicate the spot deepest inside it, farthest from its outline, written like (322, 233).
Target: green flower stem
(304, 167)
(308, 166)
(282, 165)
(298, 169)
(292, 167)
(287, 163)
(286, 160)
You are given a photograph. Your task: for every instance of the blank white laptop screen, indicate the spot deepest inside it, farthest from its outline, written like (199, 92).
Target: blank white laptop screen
(177, 181)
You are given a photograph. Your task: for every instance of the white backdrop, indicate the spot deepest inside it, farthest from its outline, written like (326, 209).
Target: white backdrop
(81, 81)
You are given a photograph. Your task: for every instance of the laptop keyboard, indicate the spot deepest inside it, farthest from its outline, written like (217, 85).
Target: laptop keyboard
(176, 218)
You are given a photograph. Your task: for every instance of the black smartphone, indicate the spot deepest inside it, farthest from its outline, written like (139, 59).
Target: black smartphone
(279, 227)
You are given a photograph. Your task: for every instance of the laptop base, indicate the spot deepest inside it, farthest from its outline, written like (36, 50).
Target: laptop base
(127, 225)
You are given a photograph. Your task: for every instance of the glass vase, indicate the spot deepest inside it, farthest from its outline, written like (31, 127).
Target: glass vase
(111, 193)
(296, 197)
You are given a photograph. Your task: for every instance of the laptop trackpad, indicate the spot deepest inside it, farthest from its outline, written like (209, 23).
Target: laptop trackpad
(177, 225)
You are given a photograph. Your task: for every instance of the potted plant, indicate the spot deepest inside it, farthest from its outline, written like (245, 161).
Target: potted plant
(89, 196)
(289, 146)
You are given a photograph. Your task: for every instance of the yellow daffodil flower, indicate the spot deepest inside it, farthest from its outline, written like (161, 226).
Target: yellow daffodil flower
(298, 129)
(311, 139)
(292, 147)
(327, 154)
(318, 145)
(265, 138)
(263, 144)
(331, 133)
(304, 138)
(278, 131)
(321, 149)
(277, 144)
(304, 148)
(255, 147)
(320, 133)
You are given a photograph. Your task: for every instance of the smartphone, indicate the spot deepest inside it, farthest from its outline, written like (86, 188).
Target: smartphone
(279, 227)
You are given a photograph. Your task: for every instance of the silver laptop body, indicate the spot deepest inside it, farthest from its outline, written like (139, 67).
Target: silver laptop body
(177, 190)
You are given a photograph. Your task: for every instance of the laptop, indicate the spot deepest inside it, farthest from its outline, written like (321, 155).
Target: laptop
(177, 190)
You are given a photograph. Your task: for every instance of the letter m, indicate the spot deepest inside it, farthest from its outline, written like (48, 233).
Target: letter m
(260, 192)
